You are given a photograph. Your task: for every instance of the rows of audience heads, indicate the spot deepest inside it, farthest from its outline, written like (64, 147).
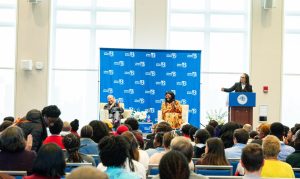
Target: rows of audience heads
(128, 149)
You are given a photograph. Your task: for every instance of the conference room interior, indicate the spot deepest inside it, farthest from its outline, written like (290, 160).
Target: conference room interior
(62, 39)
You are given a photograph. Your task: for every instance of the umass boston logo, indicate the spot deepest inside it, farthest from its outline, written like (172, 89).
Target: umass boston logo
(242, 99)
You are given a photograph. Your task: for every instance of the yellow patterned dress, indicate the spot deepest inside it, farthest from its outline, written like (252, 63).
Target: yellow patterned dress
(172, 113)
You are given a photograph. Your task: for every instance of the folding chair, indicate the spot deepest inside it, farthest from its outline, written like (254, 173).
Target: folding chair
(16, 174)
(71, 166)
(214, 170)
(152, 170)
(96, 158)
(234, 162)
(297, 172)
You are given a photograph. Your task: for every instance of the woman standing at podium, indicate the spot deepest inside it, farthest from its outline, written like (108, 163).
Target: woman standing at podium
(172, 110)
(242, 86)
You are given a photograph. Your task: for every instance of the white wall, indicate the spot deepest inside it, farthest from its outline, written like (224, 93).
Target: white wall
(266, 58)
(32, 43)
(149, 32)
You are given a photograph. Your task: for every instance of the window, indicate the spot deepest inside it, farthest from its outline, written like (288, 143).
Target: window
(79, 29)
(221, 30)
(7, 56)
(291, 74)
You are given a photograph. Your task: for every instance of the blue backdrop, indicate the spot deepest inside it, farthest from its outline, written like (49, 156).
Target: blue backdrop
(140, 77)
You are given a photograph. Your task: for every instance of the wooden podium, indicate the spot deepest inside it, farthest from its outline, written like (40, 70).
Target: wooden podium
(241, 107)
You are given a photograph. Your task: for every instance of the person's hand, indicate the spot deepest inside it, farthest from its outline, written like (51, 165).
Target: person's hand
(29, 143)
(222, 89)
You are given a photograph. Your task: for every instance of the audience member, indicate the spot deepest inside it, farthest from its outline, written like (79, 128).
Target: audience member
(49, 163)
(211, 130)
(201, 137)
(157, 143)
(134, 153)
(13, 155)
(50, 113)
(133, 123)
(9, 118)
(186, 130)
(4, 125)
(34, 124)
(160, 127)
(167, 138)
(183, 145)
(240, 139)
(100, 130)
(247, 127)
(74, 127)
(121, 129)
(192, 132)
(252, 160)
(277, 129)
(213, 123)
(294, 158)
(55, 128)
(87, 172)
(114, 155)
(87, 145)
(214, 153)
(263, 130)
(226, 133)
(173, 165)
(72, 145)
(66, 129)
(274, 168)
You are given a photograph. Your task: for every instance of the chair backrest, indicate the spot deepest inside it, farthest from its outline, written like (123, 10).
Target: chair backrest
(71, 166)
(185, 113)
(234, 162)
(16, 174)
(152, 170)
(96, 158)
(195, 160)
(297, 172)
(214, 170)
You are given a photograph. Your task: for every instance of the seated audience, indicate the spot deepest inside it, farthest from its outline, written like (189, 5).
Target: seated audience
(192, 132)
(72, 145)
(277, 129)
(160, 127)
(183, 145)
(87, 145)
(49, 163)
(115, 156)
(201, 137)
(240, 139)
(66, 129)
(252, 136)
(167, 138)
(157, 143)
(134, 153)
(294, 158)
(87, 172)
(35, 125)
(55, 128)
(50, 114)
(226, 133)
(4, 125)
(274, 168)
(252, 160)
(122, 128)
(74, 127)
(263, 130)
(9, 118)
(185, 129)
(211, 130)
(173, 165)
(100, 130)
(13, 155)
(247, 127)
(214, 153)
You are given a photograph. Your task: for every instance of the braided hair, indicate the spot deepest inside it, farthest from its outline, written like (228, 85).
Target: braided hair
(72, 144)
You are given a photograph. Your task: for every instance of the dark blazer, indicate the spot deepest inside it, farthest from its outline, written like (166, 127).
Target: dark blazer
(237, 87)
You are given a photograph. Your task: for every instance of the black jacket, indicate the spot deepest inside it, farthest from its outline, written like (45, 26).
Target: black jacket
(237, 87)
